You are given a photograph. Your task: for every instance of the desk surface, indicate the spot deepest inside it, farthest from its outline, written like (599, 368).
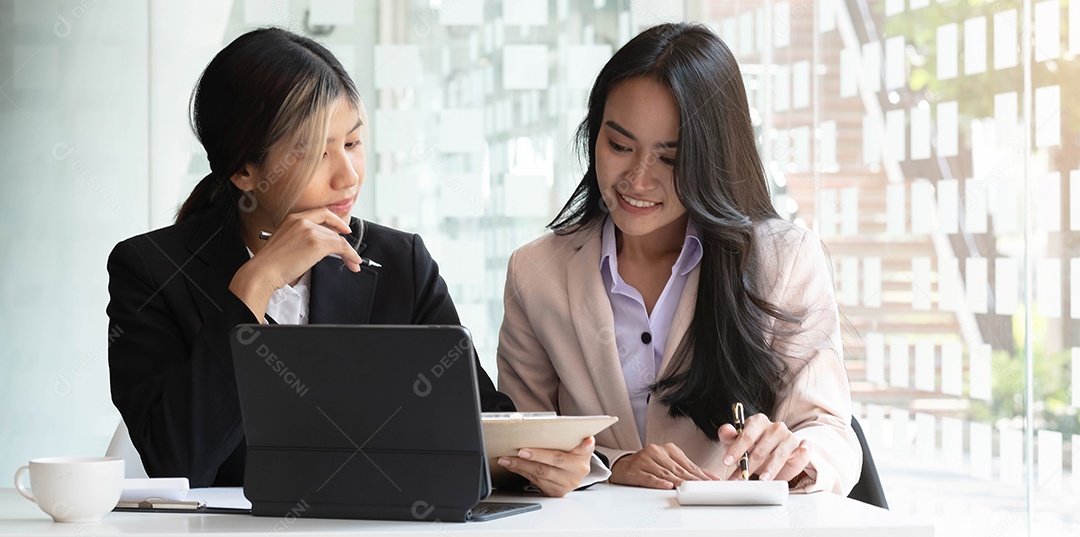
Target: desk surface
(603, 509)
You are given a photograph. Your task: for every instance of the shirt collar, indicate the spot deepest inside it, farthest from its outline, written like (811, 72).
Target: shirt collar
(688, 259)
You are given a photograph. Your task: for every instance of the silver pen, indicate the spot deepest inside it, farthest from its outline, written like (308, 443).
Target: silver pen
(265, 235)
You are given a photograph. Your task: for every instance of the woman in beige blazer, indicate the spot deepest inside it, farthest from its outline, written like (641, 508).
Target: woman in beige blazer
(670, 289)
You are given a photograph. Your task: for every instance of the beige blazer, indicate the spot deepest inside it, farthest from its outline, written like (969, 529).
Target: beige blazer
(557, 350)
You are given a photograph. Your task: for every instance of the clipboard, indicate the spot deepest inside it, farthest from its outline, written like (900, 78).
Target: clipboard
(172, 506)
(507, 432)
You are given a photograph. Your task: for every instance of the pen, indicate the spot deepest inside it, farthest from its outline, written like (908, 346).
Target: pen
(265, 235)
(744, 462)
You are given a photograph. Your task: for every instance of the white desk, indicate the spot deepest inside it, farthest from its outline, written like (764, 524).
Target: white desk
(603, 509)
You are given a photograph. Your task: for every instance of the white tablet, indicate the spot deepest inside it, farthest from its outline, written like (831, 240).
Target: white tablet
(732, 493)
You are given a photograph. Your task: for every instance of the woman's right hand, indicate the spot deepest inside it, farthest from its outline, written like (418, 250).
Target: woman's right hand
(658, 467)
(302, 240)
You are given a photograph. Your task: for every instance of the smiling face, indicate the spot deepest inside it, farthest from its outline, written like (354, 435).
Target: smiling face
(635, 157)
(336, 180)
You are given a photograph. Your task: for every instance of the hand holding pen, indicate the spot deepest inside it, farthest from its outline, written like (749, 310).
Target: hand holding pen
(265, 235)
(769, 449)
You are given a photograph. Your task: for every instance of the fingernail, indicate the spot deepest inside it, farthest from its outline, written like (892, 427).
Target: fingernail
(729, 460)
(503, 461)
(765, 477)
(525, 454)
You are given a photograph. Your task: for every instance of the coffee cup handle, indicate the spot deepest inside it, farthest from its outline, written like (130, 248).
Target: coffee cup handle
(19, 486)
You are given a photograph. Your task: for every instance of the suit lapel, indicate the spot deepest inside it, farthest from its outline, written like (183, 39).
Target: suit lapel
(339, 295)
(217, 244)
(684, 314)
(590, 314)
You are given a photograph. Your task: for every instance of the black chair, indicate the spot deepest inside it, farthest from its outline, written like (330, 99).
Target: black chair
(868, 489)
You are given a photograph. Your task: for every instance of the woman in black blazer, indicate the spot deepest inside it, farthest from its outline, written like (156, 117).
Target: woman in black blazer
(176, 292)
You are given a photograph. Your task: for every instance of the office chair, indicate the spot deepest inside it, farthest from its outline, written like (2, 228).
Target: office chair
(868, 489)
(121, 446)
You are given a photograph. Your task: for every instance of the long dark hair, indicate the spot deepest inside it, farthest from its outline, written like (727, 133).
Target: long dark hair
(725, 356)
(267, 86)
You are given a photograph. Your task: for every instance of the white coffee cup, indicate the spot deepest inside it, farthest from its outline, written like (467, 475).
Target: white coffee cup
(73, 489)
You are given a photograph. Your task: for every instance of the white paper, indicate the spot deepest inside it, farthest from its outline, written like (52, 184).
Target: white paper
(396, 195)
(980, 357)
(1006, 39)
(584, 63)
(899, 362)
(976, 282)
(921, 287)
(872, 282)
(920, 133)
(925, 436)
(266, 12)
(1047, 45)
(947, 53)
(1006, 285)
(947, 129)
(871, 140)
(1011, 456)
(871, 67)
(331, 12)
(1048, 116)
(826, 212)
(948, 201)
(1049, 461)
(849, 71)
(462, 13)
(893, 7)
(1076, 390)
(1048, 288)
(875, 357)
(525, 67)
(849, 211)
(952, 442)
(950, 288)
(952, 368)
(849, 281)
(924, 365)
(895, 64)
(975, 45)
(800, 85)
(895, 207)
(525, 12)
(982, 450)
(1048, 215)
(1006, 114)
(975, 206)
(395, 130)
(461, 130)
(397, 66)
(527, 196)
(922, 206)
(901, 424)
(895, 135)
(782, 88)
(916, 4)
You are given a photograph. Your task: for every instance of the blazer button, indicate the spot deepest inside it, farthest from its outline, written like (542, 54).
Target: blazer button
(646, 338)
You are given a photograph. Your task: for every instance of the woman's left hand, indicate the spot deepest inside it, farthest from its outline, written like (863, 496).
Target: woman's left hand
(775, 452)
(555, 472)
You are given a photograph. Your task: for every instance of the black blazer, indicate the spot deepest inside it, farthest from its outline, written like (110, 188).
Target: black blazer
(171, 368)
